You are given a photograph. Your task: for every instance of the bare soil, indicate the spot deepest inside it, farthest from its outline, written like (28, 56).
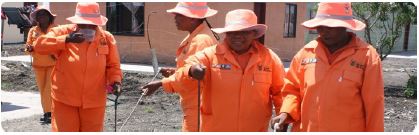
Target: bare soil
(161, 112)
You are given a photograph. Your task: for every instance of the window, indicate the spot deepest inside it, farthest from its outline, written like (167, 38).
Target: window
(290, 20)
(312, 15)
(125, 18)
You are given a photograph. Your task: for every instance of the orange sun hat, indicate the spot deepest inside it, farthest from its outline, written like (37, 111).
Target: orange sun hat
(39, 8)
(242, 20)
(197, 10)
(88, 13)
(334, 15)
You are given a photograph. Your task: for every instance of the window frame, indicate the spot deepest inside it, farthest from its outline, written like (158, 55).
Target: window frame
(288, 20)
(118, 22)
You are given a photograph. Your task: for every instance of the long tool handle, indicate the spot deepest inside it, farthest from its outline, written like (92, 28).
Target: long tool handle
(154, 61)
(136, 104)
(116, 109)
(199, 105)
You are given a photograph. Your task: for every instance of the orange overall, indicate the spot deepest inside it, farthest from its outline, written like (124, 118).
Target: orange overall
(343, 91)
(199, 39)
(42, 65)
(80, 77)
(237, 97)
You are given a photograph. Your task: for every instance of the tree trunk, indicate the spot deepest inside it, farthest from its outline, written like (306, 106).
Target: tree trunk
(406, 37)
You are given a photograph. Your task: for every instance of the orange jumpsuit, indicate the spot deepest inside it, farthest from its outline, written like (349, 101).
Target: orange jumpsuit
(80, 77)
(345, 95)
(236, 98)
(42, 65)
(199, 39)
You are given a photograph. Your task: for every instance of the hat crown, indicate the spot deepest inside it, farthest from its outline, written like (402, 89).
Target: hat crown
(193, 5)
(87, 8)
(243, 17)
(335, 9)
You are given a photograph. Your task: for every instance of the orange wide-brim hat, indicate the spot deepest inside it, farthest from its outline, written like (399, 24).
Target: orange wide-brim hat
(88, 13)
(198, 10)
(242, 20)
(334, 15)
(40, 8)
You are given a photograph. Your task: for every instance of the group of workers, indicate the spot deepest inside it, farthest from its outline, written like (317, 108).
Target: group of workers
(334, 83)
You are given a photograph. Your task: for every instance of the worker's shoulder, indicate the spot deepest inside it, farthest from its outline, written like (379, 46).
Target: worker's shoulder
(63, 28)
(107, 33)
(370, 50)
(33, 28)
(202, 37)
(269, 53)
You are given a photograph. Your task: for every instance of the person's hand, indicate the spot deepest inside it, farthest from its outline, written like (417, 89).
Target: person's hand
(74, 37)
(278, 122)
(197, 71)
(151, 87)
(116, 88)
(28, 48)
(167, 71)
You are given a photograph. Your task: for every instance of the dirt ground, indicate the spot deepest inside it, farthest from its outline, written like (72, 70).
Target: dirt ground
(161, 112)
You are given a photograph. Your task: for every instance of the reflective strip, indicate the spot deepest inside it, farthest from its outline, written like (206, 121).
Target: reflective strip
(340, 17)
(193, 7)
(87, 15)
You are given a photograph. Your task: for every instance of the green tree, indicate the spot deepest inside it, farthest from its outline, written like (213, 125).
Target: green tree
(385, 21)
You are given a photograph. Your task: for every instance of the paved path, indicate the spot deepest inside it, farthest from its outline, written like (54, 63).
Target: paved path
(19, 105)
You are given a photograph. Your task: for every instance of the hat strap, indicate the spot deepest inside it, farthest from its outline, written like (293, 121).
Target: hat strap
(87, 15)
(340, 17)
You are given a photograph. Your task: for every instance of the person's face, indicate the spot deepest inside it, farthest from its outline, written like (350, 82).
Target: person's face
(332, 36)
(43, 17)
(86, 26)
(240, 41)
(183, 23)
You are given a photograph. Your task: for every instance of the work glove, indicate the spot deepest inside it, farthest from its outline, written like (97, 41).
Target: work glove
(278, 122)
(151, 87)
(116, 88)
(167, 71)
(197, 71)
(74, 37)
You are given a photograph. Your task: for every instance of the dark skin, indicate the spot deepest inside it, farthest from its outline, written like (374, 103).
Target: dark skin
(75, 36)
(183, 23)
(334, 38)
(44, 19)
(238, 41)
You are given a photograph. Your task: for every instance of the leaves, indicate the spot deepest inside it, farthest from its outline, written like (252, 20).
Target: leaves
(384, 22)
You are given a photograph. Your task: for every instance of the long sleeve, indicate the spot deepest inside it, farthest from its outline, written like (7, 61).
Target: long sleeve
(291, 90)
(373, 95)
(30, 40)
(52, 42)
(113, 65)
(278, 74)
(198, 43)
(181, 75)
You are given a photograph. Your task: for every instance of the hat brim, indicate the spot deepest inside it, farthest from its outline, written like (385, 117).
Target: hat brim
(86, 20)
(198, 15)
(260, 29)
(352, 24)
(33, 14)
